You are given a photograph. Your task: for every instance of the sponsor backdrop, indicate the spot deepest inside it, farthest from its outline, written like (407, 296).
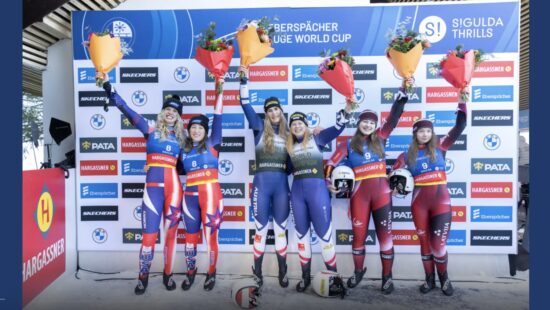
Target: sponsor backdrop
(480, 166)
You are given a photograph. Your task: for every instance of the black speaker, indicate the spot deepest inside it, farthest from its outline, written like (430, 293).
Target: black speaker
(59, 130)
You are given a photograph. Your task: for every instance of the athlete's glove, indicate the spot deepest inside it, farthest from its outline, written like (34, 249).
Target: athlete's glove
(342, 118)
(402, 96)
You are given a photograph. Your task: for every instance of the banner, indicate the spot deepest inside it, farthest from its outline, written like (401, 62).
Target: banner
(162, 62)
(43, 230)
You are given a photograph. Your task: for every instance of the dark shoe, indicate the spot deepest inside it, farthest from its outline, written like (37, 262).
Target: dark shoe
(337, 288)
(429, 283)
(168, 282)
(305, 282)
(210, 281)
(258, 278)
(283, 279)
(186, 284)
(446, 286)
(142, 285)
(387, 284)
(357, 276)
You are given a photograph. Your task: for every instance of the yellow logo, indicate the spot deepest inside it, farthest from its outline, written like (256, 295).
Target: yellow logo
(415, 237)
(86, 145)
(343, 237)
(478, 166)
(240, 213)
(44, 211)
(208, 173)
(433, 70)
(283, 73)
(314, 170)
(112, 167)
(415, 118)
(460, 213)
(126, 122)
(506, 189)
(129, 236)
(388, 95)
(508, 68)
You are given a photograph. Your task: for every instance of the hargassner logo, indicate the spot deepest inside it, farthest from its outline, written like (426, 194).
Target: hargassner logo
(98, 167)
(232, 144)
(258, 97)
(491, 141)
(188, 97)
(133, 144)
(126, 124)
(345, 237)
(139, 75)
(493, 93)
(491, 189)
(268, 73)
(491, 214)
(406, 119)
(233, 214)
(364, 72)
(491, 237)
(398, 143)
(98, 145)
(232, 190)
(492, 166)
(492, 117)
(457, 189)
(441, 94)
(133, 167)
(442, 118)
(231, 97)
(311, 96)
(230, 120)
(87, 76)
(92, 99)
(460, 144)
(98, 190)
(99, 213)
(305, 73)
(231, 236)
(405, 237)
(494, 69)
(389, 95)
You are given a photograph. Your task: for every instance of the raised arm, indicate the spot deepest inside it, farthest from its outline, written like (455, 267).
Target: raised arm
(253, 119)
(460, 124)
(399, 162)
(329, 134)
(138, 121)
(216, 136)
(397, 108)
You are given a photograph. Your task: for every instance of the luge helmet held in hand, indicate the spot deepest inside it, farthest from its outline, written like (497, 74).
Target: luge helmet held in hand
(328, 284)
(402, 180)
(343, 179)
(245, 293)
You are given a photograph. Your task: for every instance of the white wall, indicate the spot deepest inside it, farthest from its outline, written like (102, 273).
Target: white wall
(57, 90)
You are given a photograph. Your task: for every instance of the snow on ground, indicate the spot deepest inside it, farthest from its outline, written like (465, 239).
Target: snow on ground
(95, 291)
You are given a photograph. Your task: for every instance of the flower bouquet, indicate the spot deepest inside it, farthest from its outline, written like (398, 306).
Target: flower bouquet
(458, 66)
(214, 54)
(404, 51)
(255, 39)
(335, 69)
(105, 51)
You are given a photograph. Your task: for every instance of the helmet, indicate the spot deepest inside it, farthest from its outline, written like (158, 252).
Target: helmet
(328, 284)
(403, 180)
(245, 293)
(343, 179)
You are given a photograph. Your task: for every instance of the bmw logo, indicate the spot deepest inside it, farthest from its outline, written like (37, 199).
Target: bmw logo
(182, 74)
(313, 119)
(314, 238)
(449, 166)
(97, 121)
(139, 98)
(99, 235)
(359, 95)
(225, 167)
(491, 142)
(137, 213)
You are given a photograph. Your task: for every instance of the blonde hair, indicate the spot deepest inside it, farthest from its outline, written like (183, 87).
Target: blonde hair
(430, 149)
(269, 133)
(162, 128)
(291, 139)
